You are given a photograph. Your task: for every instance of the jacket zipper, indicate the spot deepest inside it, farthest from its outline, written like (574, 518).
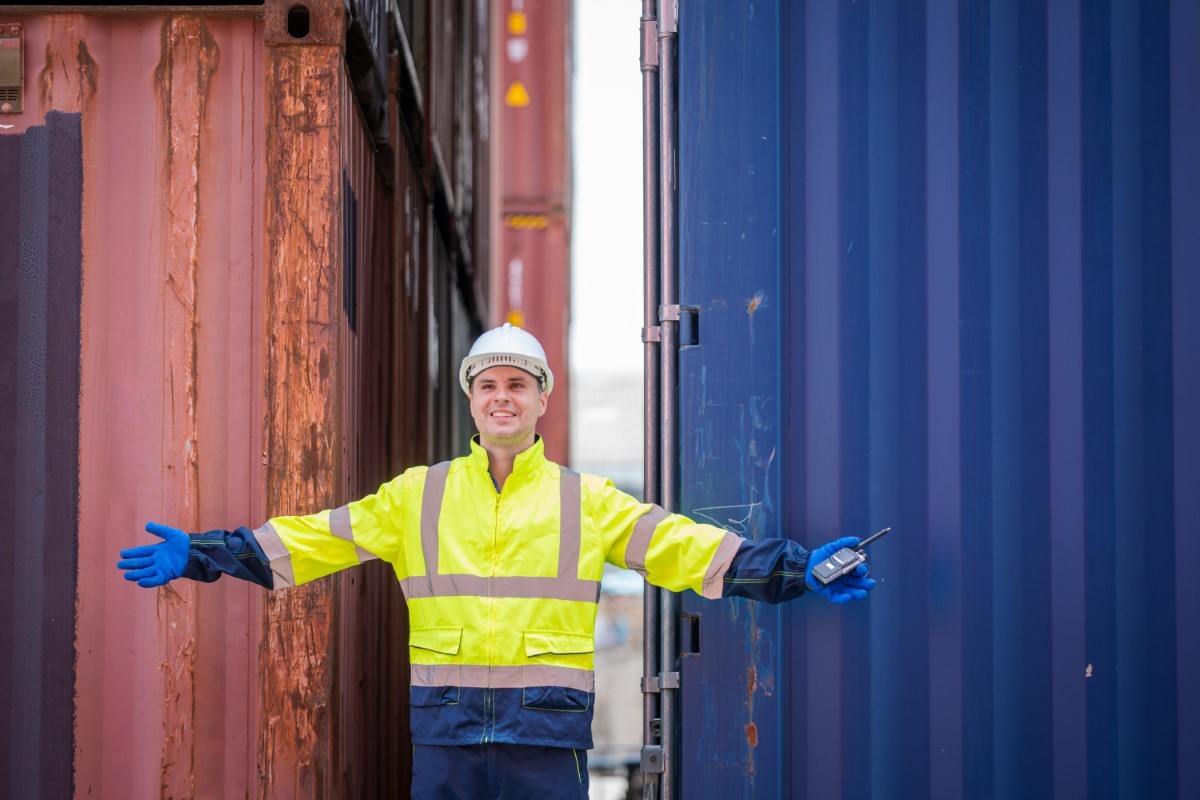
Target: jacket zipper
(489, 716)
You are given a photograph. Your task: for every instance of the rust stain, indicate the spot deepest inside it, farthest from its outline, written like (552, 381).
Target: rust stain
(46, 80)
(69, 76)
(89, 74)
(756, 302)
(752, 736)
(302, 263)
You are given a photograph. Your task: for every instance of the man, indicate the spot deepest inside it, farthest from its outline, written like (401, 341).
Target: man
(499, 554)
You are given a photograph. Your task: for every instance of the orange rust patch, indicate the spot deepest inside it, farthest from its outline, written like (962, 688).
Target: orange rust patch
(296, 755)
(752, 735)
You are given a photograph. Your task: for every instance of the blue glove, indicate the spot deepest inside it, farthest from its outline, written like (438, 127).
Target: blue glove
(156, 564)
(846, 588)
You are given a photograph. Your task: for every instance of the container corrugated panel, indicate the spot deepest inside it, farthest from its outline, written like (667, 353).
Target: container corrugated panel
(531, 268)
(412, 377)
(483, 123)
(444, 391)
(441, 87)
(168, 220)
(473, 143)
(367, 45)
(945, 256)
(373, 742)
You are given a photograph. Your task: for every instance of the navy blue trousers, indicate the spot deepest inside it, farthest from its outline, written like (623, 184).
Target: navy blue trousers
(499, 772)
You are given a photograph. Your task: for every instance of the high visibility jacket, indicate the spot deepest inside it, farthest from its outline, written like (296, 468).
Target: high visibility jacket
(502, 586)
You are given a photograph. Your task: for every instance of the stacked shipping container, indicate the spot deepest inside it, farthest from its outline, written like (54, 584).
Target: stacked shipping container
(532, 265)
(945, 259)
(277, 260)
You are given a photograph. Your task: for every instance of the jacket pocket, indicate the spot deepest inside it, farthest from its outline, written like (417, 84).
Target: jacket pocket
(434, 684)
(545, 643)
(444, 640)
(540, 691)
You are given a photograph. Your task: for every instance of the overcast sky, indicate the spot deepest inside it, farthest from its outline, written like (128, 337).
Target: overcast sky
(606, 247)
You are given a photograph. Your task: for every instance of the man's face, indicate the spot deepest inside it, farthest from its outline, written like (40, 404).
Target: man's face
(506, 404)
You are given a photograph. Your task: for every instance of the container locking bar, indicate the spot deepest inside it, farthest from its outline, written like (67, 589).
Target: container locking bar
(652, 760)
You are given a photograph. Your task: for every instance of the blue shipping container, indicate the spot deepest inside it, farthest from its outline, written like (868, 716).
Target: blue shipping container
(947, 260)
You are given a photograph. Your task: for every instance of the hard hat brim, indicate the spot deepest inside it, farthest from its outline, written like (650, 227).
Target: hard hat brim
(474, 366)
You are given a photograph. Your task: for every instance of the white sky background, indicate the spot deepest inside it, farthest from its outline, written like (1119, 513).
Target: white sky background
(606, 234)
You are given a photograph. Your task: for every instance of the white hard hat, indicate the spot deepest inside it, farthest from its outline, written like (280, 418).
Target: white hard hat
(508, 346)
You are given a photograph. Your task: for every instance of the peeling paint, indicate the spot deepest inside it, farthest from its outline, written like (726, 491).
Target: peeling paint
(303, 237)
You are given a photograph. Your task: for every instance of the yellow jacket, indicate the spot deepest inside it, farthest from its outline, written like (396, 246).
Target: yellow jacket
(502, 587)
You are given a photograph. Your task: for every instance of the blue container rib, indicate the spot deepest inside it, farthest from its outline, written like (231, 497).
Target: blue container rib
(1099, 422)
(975, 391)
(1183, 85)
(947, 584)
(1066, 435)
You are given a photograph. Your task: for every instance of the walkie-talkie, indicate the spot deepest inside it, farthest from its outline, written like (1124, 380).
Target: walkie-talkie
(843, 561)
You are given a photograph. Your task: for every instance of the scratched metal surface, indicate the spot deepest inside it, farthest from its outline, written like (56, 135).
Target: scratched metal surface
(979, 308)
(731, 406)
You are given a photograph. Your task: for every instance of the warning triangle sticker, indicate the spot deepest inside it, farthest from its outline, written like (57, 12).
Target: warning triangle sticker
(517, 95)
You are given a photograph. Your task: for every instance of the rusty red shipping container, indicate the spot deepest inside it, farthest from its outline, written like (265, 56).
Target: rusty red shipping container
(223, 313)
(531, 264)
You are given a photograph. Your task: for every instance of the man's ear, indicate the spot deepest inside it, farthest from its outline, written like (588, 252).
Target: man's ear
(543, 398)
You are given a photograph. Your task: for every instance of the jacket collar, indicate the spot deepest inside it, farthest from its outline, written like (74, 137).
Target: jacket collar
(527, 460)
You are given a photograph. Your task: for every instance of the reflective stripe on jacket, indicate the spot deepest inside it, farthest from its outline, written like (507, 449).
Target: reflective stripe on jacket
(502, 587)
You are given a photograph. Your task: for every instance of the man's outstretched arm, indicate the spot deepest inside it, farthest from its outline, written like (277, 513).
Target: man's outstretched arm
(199, 557)
(776, 570)
(677, 553)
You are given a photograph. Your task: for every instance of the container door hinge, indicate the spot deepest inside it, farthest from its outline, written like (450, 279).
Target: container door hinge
(668, 680)
(12, 67)
(652, 334)
(649, 44)
(668, 15)
(688, 318)
(650, 686)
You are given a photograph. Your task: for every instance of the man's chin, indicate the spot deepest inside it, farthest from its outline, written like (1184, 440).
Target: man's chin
(502, 438)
